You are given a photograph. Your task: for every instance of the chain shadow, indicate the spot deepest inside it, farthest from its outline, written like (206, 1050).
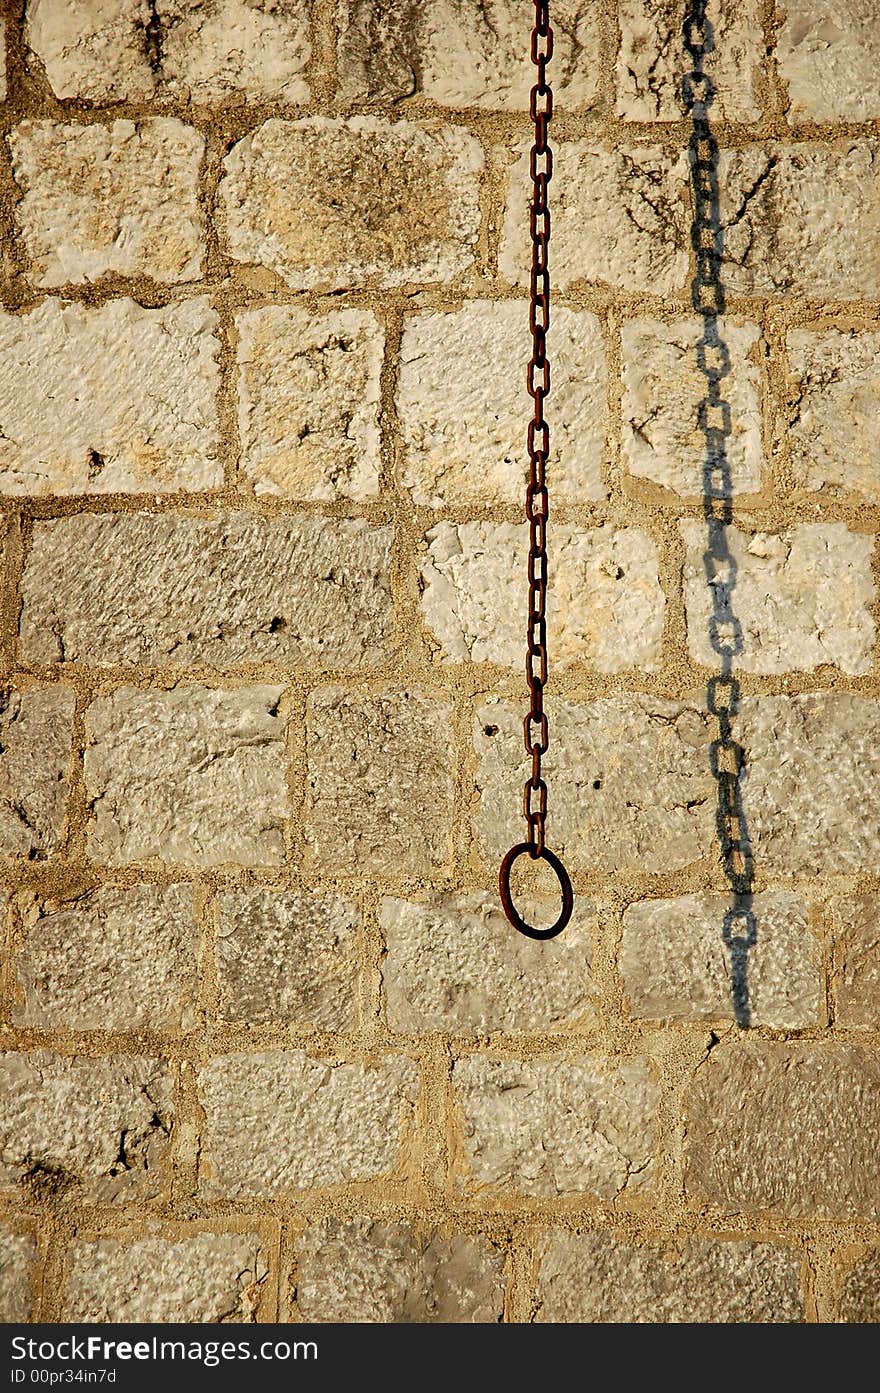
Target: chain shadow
(727, 757)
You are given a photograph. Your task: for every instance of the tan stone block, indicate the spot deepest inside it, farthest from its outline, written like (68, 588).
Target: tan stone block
(463, 407)
(803, 598)
(631, 774)
(675, 966)
(95, 1128)
(828, 55)
(118, 399)
(18, 1254)
(329, 203)
(855, 921)
(662, 390)
(786, 1128)
(113, 959)
(860, 1297)
(131, 588)
(379, 782)
(35, 748)
(208, 1278)
(192, 774)
(561, 1127)
(451, 965)
(280, 1121)
(370, 1272)
(593, 1277)
(620, 218)
(285, 956)
(308, 407)
(834, 398)
(119, 199)
(652, 60)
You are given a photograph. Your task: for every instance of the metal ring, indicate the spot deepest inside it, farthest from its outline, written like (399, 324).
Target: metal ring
(509, 907)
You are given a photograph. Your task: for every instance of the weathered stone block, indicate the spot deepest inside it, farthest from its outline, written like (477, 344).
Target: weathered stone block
(855, 924)
(860, 1297)
(652, 60)
(35, 747)
(834, 398)
(191, 774)
(18, 1253)
(828, 55)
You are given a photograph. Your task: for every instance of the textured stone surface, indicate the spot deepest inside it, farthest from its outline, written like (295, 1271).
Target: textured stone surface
(98, 1128)
(812, 797)
(208, 1278)
(829, 57)
(282, 1121)
(803, 597)
(605, 605)
(111, 400)
(119, 198)
(559, 1127)
(113, 959)
(675, 966)
(619, 217)
(834, 398)
(191, 774)
(800, 219)
(464, 430)
(855, 922)
(309, 401)
(638, 791)
(451, 966)
(458, 54)
(128, 588)
(130, 50)
(593, 1277)
(374, 761)
(662, 391)
(652, 60)
(18, 1253)
(374, 1273)
(331, 203)
(35, 746)
(860, 1297)
(787, 1128)
(287, 956)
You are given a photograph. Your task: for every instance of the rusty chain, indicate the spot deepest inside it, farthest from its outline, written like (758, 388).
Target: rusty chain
(535, 726)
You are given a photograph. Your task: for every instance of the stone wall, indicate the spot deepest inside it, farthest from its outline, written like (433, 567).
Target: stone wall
(270, 1050)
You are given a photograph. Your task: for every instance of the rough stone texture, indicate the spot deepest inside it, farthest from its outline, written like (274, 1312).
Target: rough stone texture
(191, 774)
(113, 959)
(2, 60)
(282, 1121)
(309, 401)
(548, 1128)
(812, 797)
(329, 203)
(97, 1129)
(605, 606)
(119, 198)
(619, 218)
(463, 430)
(207, 1278)
(35, 747)
(652, 60)
(131, 588)
(459, 54)
(374, 761)
(593, 1277)
(800, 219)
(787, 1128)
(18, 1253)
(834, 398)
(118, 399)
(828, 54)
(803, 597)
(860, 1297)
(855, 924)
(451, 966)
(638, 791)
(662, 391)
(375, 1273)
(675, 966)
(287, 956)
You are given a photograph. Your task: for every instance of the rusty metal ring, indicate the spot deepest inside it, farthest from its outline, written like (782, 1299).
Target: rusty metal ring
(510, 908)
